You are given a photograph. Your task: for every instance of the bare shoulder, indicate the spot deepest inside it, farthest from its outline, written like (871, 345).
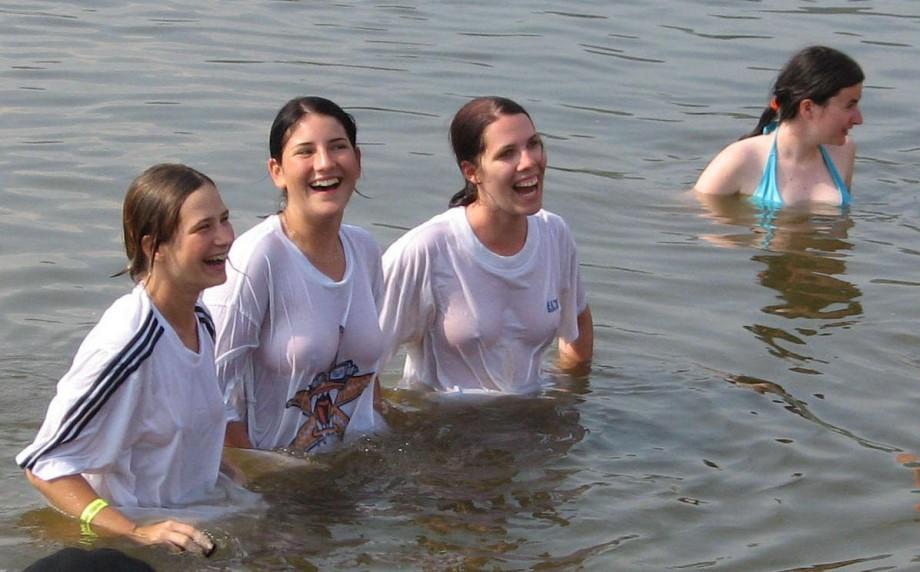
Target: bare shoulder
(736, 169)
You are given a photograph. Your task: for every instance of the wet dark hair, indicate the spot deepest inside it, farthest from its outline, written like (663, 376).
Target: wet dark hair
(151, 208)
(466, 135)
(294, 110)
(816, 73)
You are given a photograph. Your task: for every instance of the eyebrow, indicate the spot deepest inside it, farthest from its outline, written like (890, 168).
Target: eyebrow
(307, 143)
(531, 139)
(207, 219)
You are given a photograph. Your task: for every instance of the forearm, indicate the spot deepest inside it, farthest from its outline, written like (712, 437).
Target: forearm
(72, 494)
(578, 353)
(237, 435)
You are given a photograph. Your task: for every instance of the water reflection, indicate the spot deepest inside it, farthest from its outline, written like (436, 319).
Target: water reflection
(800, 408)
(451, 485)
(459, 476)
(804, 257)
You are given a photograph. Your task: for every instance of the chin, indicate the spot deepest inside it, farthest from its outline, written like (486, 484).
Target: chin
(215, 281)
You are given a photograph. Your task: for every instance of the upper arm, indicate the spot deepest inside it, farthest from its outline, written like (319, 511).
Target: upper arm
(91, 419)
(727, 172)
(239, 308)
(404, 310)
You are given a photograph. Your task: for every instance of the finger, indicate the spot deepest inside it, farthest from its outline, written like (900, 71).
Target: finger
(205, 541)
(184, 542)
(189, 538)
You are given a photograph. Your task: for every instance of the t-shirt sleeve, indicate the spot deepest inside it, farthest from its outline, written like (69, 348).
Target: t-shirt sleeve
(92, 420)
(407, 306)
(574, 296)
(376, 272)
(238, 307)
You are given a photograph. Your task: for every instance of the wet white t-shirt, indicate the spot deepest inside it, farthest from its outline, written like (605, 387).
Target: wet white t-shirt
(138, 414)
(472, 319)
(297, 352)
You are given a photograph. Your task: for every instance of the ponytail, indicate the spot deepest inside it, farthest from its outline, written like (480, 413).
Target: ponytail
(768, 116)
(464, 197)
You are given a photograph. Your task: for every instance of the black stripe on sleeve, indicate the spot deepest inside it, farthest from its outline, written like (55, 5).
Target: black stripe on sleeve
(126, 362)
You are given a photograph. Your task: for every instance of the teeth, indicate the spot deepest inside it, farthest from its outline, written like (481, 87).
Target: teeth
(325, 183)
(531, 182)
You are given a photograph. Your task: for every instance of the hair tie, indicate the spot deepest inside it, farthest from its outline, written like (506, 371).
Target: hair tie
(774, 105)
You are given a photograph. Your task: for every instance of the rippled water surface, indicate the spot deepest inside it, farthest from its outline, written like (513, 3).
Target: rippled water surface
(755, 385)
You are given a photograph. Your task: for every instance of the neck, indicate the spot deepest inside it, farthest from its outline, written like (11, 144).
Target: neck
(501, 232)
(177, 306)
(795, 142)
(318, 240)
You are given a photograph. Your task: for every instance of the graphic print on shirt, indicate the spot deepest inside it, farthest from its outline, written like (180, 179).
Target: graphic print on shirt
(322, 403)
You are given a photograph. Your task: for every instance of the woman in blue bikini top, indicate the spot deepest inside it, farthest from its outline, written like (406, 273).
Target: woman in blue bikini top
(801, 135)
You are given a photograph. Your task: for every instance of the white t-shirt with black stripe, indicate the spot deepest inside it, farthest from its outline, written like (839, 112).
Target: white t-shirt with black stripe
(139, 415)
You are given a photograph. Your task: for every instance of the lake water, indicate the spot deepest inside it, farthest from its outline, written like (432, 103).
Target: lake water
(755, 382)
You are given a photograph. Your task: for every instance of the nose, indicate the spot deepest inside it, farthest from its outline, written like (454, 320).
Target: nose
(322, 158)
(530, 158)
(858, 117)
(226, 236)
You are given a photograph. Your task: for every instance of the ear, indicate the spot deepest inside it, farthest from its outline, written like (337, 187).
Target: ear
(277, 174)
(807, 108)
(147, 247)
(358, 157)
(470, 172)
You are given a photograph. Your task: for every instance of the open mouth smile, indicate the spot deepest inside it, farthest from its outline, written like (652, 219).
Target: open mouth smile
(216, 261)
(527, 186)
(328, 184)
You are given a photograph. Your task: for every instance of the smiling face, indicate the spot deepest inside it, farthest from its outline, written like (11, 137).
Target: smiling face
(195, 257)
(318, 169)
(840, 114)
(509, 172)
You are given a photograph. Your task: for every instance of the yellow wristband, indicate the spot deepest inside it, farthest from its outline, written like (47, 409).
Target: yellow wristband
(92, 509)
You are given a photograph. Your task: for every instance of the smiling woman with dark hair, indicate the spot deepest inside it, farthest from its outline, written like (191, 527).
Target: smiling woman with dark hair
(297, 335)
(478, 293)
(800, 151)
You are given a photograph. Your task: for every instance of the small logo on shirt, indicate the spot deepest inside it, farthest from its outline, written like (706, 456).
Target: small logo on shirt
(552, 305)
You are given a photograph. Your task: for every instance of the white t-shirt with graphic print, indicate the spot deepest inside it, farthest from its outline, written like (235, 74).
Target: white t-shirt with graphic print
(472, 319)
(297, 351)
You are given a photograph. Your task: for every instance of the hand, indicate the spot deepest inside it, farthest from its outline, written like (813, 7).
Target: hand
(178, 535)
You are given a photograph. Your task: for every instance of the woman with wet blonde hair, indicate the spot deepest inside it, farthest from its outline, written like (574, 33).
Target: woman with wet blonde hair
(136, 425)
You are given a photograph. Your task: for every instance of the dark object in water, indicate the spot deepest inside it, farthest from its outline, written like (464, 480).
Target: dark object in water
(100, 560)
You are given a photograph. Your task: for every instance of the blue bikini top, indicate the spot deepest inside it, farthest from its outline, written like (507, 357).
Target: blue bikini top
(767, 193)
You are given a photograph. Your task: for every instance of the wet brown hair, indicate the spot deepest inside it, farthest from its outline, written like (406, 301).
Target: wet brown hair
(151, 208)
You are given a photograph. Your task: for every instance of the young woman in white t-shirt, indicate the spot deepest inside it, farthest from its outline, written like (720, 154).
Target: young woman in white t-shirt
(132, 426)
(297, 335)
(478, 293)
